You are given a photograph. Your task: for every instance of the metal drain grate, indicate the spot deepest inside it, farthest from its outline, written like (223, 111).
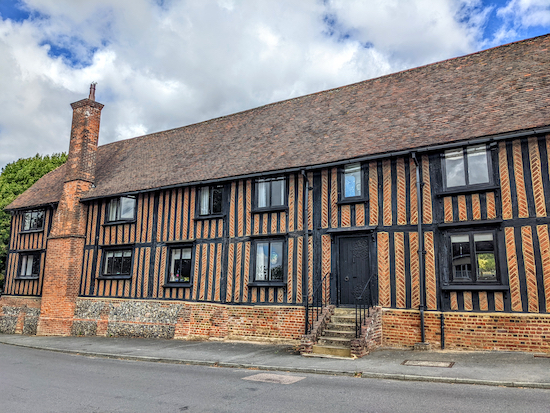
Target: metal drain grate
(274, 378)
(426, 363)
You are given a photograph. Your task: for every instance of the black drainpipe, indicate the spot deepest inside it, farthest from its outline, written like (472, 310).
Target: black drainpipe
(420, 246)
(306, 232)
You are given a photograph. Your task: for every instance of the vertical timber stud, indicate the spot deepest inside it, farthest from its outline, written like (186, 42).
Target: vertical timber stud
(421, 252)
(67, 238)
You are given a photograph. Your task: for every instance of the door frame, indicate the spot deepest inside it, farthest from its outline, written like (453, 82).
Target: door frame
(372, 265)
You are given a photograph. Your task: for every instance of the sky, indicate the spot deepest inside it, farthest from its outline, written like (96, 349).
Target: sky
(162, 64)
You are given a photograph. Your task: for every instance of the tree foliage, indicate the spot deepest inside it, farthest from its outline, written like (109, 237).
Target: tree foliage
(15, 178)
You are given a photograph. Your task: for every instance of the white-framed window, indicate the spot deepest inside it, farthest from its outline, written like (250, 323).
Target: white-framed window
(33, 220)
(211, 200)
(466, 167)
(269, 260)
(180, 264)
(271, 193)
(121, 209)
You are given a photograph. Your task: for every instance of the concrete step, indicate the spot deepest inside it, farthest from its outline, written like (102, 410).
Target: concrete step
(332, 350)
(344, 311)
(340, 327)
(343, 319)
(334, 341)
(348, 334)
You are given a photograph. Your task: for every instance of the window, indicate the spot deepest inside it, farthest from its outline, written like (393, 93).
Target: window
(269, 261)
(122, 209)
(210, 200)
(467, 166)
(180, 265)
(473, 257)
(29, 265)
(352, 182)
(270, 193)
(117, 263)
(33, 221)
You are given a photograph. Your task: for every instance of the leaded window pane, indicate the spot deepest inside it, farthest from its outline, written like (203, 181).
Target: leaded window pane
(454, 168)
(217, 195)
(39, 219)
(109, 263)
(118, 262)
(478, 171)
(33, 220)
(352, 180)
(35, 264)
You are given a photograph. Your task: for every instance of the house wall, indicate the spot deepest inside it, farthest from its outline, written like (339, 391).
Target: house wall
(222, 249)
(21, 241)
(516, 208)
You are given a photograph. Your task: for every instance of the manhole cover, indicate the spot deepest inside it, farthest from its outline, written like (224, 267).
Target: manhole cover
(426, 363)
(274, 378)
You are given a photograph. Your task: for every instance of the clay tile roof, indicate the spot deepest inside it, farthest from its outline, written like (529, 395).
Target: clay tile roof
(47, 190)
(495, 91)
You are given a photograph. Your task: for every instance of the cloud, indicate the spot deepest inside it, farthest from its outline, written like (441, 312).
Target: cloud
(165, 64)
(518, 16)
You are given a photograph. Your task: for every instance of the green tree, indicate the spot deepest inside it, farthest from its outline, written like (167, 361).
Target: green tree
(15, 178)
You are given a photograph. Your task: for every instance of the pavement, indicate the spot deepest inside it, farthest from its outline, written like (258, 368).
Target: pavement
(492, 368)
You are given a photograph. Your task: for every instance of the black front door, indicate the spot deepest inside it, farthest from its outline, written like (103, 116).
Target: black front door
(354, 267)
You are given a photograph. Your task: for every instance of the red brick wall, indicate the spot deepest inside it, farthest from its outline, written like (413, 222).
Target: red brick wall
(469, 331)
(171, 319)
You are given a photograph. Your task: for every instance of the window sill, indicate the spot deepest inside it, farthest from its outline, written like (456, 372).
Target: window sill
(178, 285)
(270, 209)
(350, 230)
(267, 284)
(121, 222)
(182, 242)
(116, 246)
(31, 231)
(275, 235)
(34, 277)
(469, 224)
(212, 216)
(113, 277)
(350, 201)
(467, 190)
(474, 287)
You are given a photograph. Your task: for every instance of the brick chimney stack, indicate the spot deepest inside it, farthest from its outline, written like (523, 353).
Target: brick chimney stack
(67, 236)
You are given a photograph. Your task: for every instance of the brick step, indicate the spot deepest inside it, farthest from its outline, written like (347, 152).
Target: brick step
(332, 350)
(335, 341)
(339, 334)
(340, 327)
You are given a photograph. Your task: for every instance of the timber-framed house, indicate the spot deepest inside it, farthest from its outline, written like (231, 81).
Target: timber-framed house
(425, 193)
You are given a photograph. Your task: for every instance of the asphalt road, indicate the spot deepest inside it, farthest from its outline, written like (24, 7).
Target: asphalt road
(44, 381)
